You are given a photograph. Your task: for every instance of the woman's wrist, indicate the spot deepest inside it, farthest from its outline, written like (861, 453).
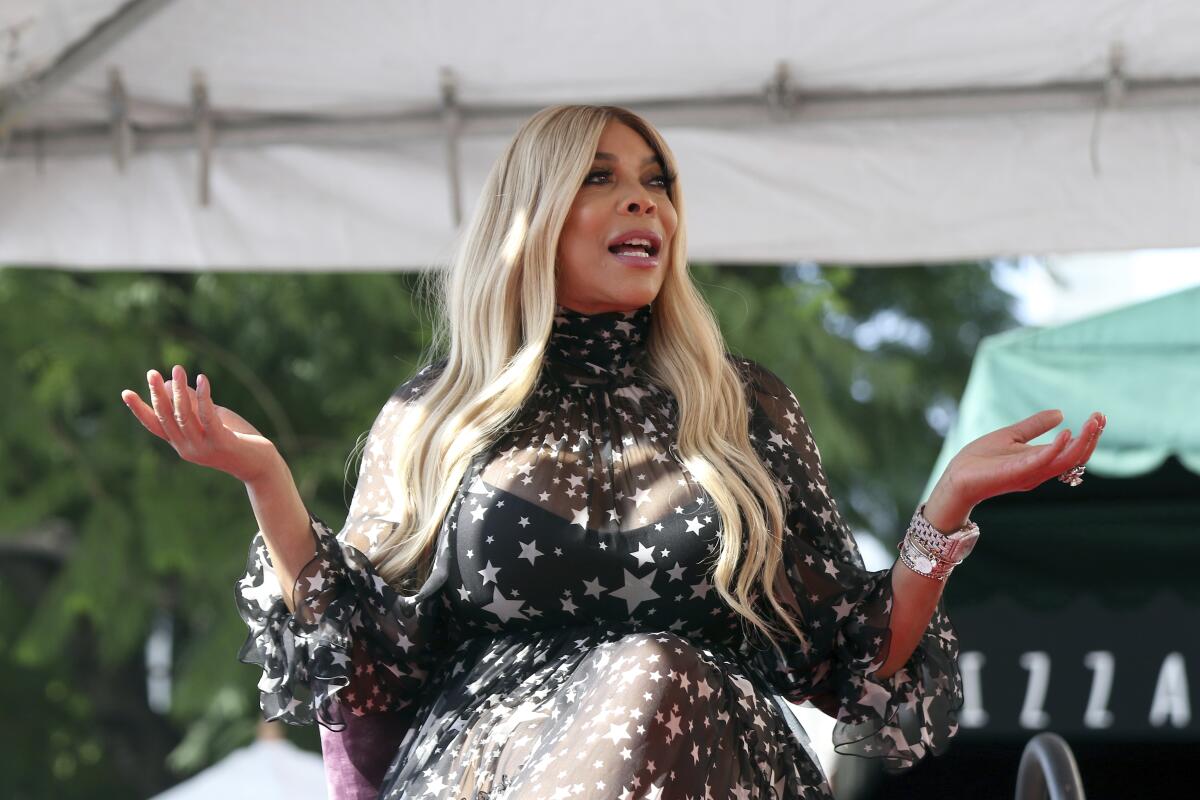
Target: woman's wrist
(945, 510)
(274, 472)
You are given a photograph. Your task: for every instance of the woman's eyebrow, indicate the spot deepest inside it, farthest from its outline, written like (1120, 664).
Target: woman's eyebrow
(610, 157)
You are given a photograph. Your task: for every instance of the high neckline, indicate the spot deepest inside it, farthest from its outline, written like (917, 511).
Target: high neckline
(601, 349)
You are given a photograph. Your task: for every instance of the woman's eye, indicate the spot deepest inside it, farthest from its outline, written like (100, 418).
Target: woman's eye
(663, 180)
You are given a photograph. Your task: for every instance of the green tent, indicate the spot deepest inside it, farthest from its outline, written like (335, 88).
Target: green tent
(1139, 364)
(1133, 526)
(1076, 612)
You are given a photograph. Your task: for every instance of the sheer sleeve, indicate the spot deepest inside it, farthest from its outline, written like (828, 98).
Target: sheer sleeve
(354, 643)
(844, 609)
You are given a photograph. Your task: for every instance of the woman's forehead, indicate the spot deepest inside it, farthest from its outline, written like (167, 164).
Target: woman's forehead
(620, 141)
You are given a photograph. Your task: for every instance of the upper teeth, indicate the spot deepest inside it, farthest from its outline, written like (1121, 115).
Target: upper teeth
(645, 242)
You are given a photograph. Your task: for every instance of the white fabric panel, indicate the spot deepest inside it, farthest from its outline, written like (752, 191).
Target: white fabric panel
(280, 207)
(875, 190)
(856, 192)
(309, 55)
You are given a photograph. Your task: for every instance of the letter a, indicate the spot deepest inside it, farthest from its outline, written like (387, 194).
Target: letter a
(1171, 694)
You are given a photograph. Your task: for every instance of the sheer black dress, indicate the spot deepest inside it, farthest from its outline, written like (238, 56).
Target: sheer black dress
(568, 641)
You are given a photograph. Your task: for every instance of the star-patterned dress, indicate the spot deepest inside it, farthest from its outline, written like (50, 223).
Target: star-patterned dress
(568, 641)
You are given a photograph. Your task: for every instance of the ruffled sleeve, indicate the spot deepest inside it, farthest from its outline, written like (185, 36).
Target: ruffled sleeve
(354, 644)
(844, 609)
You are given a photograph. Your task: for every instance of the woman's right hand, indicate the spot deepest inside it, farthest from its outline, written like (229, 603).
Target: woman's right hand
(201, 432)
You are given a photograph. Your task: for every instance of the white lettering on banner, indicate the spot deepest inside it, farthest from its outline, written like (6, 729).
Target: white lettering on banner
(970, 664)
(1033, 713)
(1102, 663)
(1171, 700)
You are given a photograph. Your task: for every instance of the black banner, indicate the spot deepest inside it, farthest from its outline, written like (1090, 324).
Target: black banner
(1082, 669)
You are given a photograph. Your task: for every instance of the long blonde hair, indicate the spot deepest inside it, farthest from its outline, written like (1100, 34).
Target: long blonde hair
(495, 310)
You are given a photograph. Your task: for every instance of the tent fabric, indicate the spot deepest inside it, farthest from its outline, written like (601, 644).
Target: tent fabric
(864, 170)
(264, 770)
(1139, 364)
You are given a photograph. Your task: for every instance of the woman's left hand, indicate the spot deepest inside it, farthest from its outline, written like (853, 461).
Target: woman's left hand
(1003, 461)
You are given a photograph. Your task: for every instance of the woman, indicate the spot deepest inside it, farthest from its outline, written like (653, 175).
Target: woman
(553, 579)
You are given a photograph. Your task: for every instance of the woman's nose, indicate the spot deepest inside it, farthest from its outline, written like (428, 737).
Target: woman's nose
(638, 202)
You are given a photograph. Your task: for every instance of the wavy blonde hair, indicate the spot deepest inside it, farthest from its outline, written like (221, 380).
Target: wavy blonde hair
(495, 308)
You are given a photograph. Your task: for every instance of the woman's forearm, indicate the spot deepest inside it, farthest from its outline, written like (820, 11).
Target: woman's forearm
(915, 596)
(284, 522)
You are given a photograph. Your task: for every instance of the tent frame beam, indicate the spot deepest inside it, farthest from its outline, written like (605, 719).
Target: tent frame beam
(780, 101)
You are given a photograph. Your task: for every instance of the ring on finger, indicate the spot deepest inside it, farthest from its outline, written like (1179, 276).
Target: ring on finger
(1073, 476)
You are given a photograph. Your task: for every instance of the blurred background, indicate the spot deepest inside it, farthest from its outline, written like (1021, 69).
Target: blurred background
(930, 219)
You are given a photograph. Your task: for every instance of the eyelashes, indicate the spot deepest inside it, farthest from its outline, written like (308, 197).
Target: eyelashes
(667, 178)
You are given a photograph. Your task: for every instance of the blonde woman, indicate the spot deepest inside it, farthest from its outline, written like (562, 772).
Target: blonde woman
(590, 551)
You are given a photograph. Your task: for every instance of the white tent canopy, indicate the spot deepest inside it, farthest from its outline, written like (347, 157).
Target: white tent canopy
(266, 769)
(355, 136)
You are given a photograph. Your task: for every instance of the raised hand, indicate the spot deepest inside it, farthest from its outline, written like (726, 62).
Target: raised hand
(200, 431)
(1003, 461)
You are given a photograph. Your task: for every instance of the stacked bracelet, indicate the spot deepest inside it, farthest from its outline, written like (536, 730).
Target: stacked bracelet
(929, 552)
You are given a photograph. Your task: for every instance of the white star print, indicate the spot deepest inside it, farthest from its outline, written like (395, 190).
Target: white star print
(843, 608)
(636, 590)
(529, 551)
(580, 517)
(618, 732)
(673, 727)
(265, 593)
(489, 573)
(593, 588)
(644, 555)
(504, 608)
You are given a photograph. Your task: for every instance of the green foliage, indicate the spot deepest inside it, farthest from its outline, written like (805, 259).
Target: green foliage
(309, 360)
(873, 355)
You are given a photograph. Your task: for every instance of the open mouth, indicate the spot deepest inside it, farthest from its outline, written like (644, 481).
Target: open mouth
(635, 250)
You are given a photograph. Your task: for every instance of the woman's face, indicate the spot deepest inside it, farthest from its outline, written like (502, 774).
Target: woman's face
(624, 191)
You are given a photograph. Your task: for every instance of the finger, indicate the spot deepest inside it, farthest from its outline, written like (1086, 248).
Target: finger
(1033, 466)
(160, 400)
(143, 413)
(1095, 439)
(1044, 454)
(204, 406)
(184, 416)
(1034, 426)
(1081, 448)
